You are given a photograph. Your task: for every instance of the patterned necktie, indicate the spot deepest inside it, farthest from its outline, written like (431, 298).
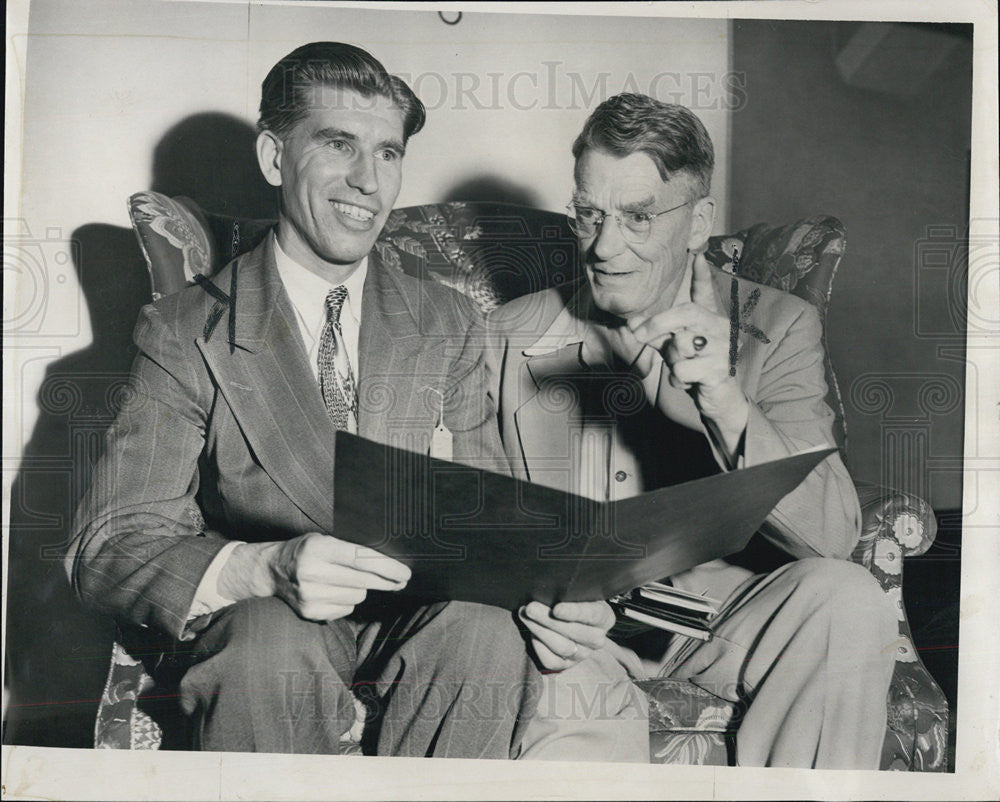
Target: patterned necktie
(337, 387)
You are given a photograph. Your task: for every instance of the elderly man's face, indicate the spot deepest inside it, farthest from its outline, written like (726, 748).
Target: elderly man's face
(636, 278)
(339, 170)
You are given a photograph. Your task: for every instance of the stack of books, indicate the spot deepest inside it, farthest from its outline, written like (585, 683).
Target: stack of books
(665, 607)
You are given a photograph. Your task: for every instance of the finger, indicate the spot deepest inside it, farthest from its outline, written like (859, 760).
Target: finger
(627, 658)
(564, 650)
(656, 329)
(682, 349)
(677, 383)
(324, 612)
(549, 660)
(319, 593)
(334, 574)
(595, 614)
(710, 368)
(363, 558)
(578, 634)
(682, 346)
(558, 643)
(690, 371)
(703, 285)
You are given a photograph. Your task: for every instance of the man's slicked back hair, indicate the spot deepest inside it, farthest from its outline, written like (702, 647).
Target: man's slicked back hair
(671, 135)
(295, 85)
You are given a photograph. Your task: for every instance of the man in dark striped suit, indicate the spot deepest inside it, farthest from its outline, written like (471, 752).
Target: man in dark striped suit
(210, 517)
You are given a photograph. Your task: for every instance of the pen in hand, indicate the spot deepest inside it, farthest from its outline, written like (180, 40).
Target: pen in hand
(734, 314)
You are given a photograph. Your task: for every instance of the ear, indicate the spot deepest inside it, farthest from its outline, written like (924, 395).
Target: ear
(269, 157)
(702, 220)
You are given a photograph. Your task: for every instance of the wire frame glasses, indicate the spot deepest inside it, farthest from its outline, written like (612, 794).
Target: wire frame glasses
(586, 221)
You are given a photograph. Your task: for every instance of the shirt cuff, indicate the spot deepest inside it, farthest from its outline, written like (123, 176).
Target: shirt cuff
(207, 598)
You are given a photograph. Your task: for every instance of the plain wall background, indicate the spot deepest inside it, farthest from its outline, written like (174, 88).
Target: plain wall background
(894, 168)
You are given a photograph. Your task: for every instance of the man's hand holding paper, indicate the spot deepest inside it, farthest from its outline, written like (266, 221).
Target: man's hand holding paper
(321, 577)
(567, 632)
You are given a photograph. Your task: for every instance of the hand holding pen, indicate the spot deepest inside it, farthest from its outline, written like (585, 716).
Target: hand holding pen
(695, 342)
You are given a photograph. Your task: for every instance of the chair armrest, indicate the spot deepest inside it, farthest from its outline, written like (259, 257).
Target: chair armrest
(896, 525)
(888, 514)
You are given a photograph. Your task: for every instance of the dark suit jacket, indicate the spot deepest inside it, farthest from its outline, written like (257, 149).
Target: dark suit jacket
(535, 359)
(218, 442)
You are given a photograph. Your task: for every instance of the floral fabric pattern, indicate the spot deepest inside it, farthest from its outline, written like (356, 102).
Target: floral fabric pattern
(801, 258)
(167, 229)
(120, 724)
(896, 525)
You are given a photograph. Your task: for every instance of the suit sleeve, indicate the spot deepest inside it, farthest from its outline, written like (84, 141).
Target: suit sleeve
(140, 549)
(787, 415)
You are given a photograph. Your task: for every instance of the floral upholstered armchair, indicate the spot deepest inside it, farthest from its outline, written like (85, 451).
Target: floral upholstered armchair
(495, 252)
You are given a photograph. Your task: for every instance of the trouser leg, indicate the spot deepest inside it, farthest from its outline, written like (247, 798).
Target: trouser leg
(269, 681)
(808, 647)
(591, 711)
(452, 680)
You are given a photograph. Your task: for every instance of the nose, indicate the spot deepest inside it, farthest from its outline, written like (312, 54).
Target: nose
(363, 176)
(609, 242)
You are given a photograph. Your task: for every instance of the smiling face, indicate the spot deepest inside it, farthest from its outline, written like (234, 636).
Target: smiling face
(339, 169)
(628, 278)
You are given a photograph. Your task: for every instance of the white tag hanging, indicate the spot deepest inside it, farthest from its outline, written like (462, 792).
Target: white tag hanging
(441, 439)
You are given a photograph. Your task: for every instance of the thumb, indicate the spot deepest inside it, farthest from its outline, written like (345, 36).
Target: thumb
(703, 285)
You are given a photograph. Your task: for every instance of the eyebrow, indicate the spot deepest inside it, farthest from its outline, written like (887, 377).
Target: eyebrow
(640, 205)
(339, 133)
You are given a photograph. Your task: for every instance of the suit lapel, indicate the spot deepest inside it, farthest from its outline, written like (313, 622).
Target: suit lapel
(550, 385)
(395, 331)
(549, 381)
(272, 391)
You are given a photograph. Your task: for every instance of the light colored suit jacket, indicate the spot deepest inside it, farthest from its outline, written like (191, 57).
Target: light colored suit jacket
(536, 365)
(220, 441)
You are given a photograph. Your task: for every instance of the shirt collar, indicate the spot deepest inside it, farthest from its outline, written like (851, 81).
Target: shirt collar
(308, 292)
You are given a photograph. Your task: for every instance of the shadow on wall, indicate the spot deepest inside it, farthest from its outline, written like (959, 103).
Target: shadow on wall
(57, 651)
(492, 188)
(210, 158)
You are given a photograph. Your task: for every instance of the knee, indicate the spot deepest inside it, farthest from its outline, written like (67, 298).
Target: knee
(600, 684)
(267, 633)
(482, 618)
(848, 592)
(484, 632)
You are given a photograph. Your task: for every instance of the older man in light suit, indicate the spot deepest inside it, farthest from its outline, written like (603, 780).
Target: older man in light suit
(210, 516)
(625, 383)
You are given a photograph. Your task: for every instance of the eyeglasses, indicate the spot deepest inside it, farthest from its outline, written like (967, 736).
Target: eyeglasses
(635, 226)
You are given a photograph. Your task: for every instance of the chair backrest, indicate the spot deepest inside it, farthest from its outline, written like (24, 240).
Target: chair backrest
(492, 252)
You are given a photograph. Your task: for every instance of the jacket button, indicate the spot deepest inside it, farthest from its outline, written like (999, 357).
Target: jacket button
(621, 476)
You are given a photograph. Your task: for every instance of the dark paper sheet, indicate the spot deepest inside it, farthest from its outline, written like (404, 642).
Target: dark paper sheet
(479, 536)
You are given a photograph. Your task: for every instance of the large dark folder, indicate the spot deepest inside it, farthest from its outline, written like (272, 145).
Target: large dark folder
(479, 536)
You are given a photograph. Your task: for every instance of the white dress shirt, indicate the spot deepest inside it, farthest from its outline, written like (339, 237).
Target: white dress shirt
(307, 292)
